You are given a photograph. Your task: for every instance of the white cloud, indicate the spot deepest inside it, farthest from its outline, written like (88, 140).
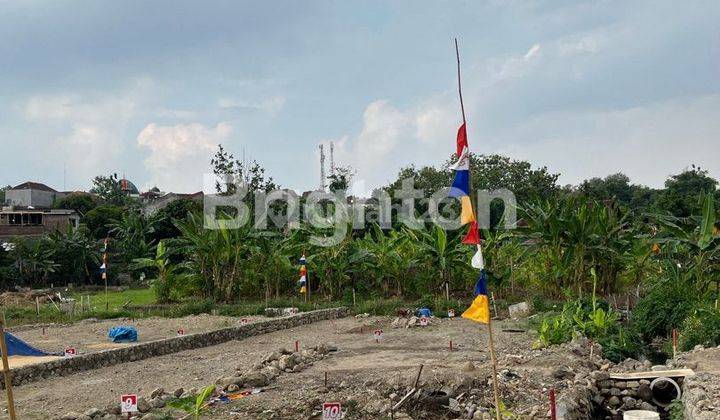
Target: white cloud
(180, 154)
(82, 131)
(647, 142)
(532, 52)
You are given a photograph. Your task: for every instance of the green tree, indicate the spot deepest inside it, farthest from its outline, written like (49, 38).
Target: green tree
(684, 191)
(76, 253)
(163, 221)
(99, 219)
(165, 273)
(108, 188)
(80, 202)
(341, 179)
(2, 193)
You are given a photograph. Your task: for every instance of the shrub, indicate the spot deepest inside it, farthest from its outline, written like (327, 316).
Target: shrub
(701, 327)
(665, 307)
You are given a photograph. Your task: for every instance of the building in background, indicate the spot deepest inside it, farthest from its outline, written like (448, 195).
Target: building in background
(24, 222)
(32, 195)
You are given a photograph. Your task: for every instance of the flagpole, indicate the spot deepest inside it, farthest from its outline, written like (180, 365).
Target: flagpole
(491, 344)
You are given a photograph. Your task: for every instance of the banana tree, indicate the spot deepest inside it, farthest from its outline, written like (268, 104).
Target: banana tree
(693, 242)
(165, 272)
(441, 256)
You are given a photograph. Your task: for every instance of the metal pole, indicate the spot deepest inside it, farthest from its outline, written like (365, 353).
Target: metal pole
(6, 371)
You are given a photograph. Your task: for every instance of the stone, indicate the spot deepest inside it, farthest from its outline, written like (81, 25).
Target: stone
(468, 367)
(227, 381)
(614, 401)
(178, 392)
(562, 373)
(254, 379)
(157, 402)
(142, 405)
(153, 416)
(412, 322)
(519, 310)
(93, 412)
(647, 406)
(232, 388)
(157, 392)
(70, 416)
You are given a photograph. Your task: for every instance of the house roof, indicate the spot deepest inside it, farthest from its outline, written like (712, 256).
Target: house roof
(33, 186)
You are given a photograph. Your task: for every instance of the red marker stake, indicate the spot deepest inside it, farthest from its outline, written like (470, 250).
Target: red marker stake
(450, 345)
(297, 345)
(553, 414)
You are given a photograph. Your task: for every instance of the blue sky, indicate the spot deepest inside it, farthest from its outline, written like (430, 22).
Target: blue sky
(148, 89)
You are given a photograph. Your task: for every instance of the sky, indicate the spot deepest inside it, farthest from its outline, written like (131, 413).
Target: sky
(149, 89)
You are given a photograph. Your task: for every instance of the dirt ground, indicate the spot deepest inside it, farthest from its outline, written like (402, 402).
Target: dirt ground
(357, 372)
(92, 336)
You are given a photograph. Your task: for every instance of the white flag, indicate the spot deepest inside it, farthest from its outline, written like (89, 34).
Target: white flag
(477, 259)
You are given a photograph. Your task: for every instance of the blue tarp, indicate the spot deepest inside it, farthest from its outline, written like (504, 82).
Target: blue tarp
(17, 347)
(425, 312)
(123, 334)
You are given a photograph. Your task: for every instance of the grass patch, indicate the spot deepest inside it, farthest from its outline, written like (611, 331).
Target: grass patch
(115, 300)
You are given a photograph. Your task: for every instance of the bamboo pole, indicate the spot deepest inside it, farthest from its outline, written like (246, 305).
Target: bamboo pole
(491, 344)
(6, 370)
(493, 359)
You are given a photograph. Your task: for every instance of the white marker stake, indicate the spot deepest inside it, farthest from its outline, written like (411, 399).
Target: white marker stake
(331, 411)
(128, 403)
(70, 352)
(378, 335)
(451, 313)
(180, 332)
(244, 321)
(424, 322)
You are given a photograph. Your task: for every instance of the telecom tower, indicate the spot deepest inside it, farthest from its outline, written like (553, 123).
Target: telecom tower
(322, 169)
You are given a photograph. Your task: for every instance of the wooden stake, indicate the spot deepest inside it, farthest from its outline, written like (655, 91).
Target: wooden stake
(447, 291)
(37, 306)
(553, 414)
(495, 373)
(6, 371)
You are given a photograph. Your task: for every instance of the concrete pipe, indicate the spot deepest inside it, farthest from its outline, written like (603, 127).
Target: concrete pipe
(664, 391)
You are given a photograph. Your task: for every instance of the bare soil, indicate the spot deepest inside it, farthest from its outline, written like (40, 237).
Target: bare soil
(359, 373)
(91, 336)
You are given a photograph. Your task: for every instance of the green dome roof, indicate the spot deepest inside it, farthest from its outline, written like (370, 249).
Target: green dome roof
(128, 187)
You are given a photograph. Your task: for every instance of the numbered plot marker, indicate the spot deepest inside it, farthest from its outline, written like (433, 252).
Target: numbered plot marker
(378, 335)
(451, 313)
(180, 331)
(128, 403)
(70, 352)
(331, 411)
(424, 321)
(244, 321)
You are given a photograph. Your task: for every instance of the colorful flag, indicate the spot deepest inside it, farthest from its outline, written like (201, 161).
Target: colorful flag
(477, 260)
(479, 310)
(303, 275)
(461, 188)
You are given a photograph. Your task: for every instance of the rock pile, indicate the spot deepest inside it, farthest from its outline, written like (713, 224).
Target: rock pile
(273, 365)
